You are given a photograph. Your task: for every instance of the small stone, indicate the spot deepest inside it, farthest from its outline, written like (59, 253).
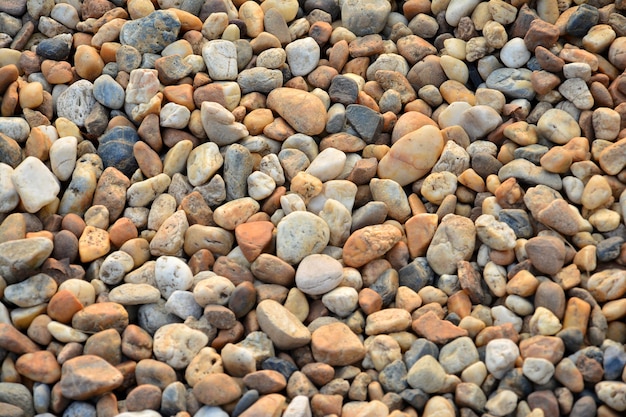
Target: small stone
(285, 330)
(502, 403)
(443, 252)
(18, 258)
(220, 125)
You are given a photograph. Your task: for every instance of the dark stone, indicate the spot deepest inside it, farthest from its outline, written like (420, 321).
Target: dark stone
(420, 348)
(57, 48)
(97, 121)
(151, 34)
(367, 122)
(572, 339)
(546, 401)
(279, 365)
(128, 58)
(174, 399)
(485, 164)
(515, 381)
(386, 285)
(583, 19)
(393, 377)
(453, 318)
(10, 151)
(343, 90)
(116, 149)
(243, 299)
(415, 397)
(329, 6)
(613, 362)
(585, 406)
(519, 221)
(417, 274)
(532, 153)
(246, 400)
(374, 212)
(609, 249)
(238, 165)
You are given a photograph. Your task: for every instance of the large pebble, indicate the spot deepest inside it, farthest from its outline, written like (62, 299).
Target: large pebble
(35, 184)
(453, 241)
(177, 344)
(412, 156)
(318, 274)
(300, 234)
(304, 111)
(282, 327)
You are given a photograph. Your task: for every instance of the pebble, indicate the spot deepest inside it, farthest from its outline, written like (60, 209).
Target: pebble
(88, 375)
(309, 231)
(204, 173)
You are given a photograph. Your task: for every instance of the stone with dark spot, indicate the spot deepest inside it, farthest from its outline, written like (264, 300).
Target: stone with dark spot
(116, 149)
(151, 34)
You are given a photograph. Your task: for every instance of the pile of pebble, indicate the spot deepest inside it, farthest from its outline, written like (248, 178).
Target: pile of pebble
(312, 208)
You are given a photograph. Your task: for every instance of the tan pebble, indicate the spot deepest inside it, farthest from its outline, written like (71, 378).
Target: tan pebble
(326, 349)
(412, 156)
(88, 63)
(93, 244)
(292, 105)
(31, 95)
(257, 119)
(597, 193)
(86, 376)
(217, 389)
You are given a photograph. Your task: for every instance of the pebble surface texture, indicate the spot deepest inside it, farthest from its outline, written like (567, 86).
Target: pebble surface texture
(308, 208)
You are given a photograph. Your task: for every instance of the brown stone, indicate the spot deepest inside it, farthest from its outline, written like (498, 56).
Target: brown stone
(105, 344)
(336, 345)
(254, 237)
(63, 305)
(136, 343)
(39, 366)
(148, 160)
(88, 376)
(302, 110)
(144, 397)
(435, 329)
(122, 231)
(550, 348)
(217, 389)
(547, 253)
(273, 270)
(13, 340)
(265, 381)
(503, 331)
(369, 243)
(153, 372)
(101, 316)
